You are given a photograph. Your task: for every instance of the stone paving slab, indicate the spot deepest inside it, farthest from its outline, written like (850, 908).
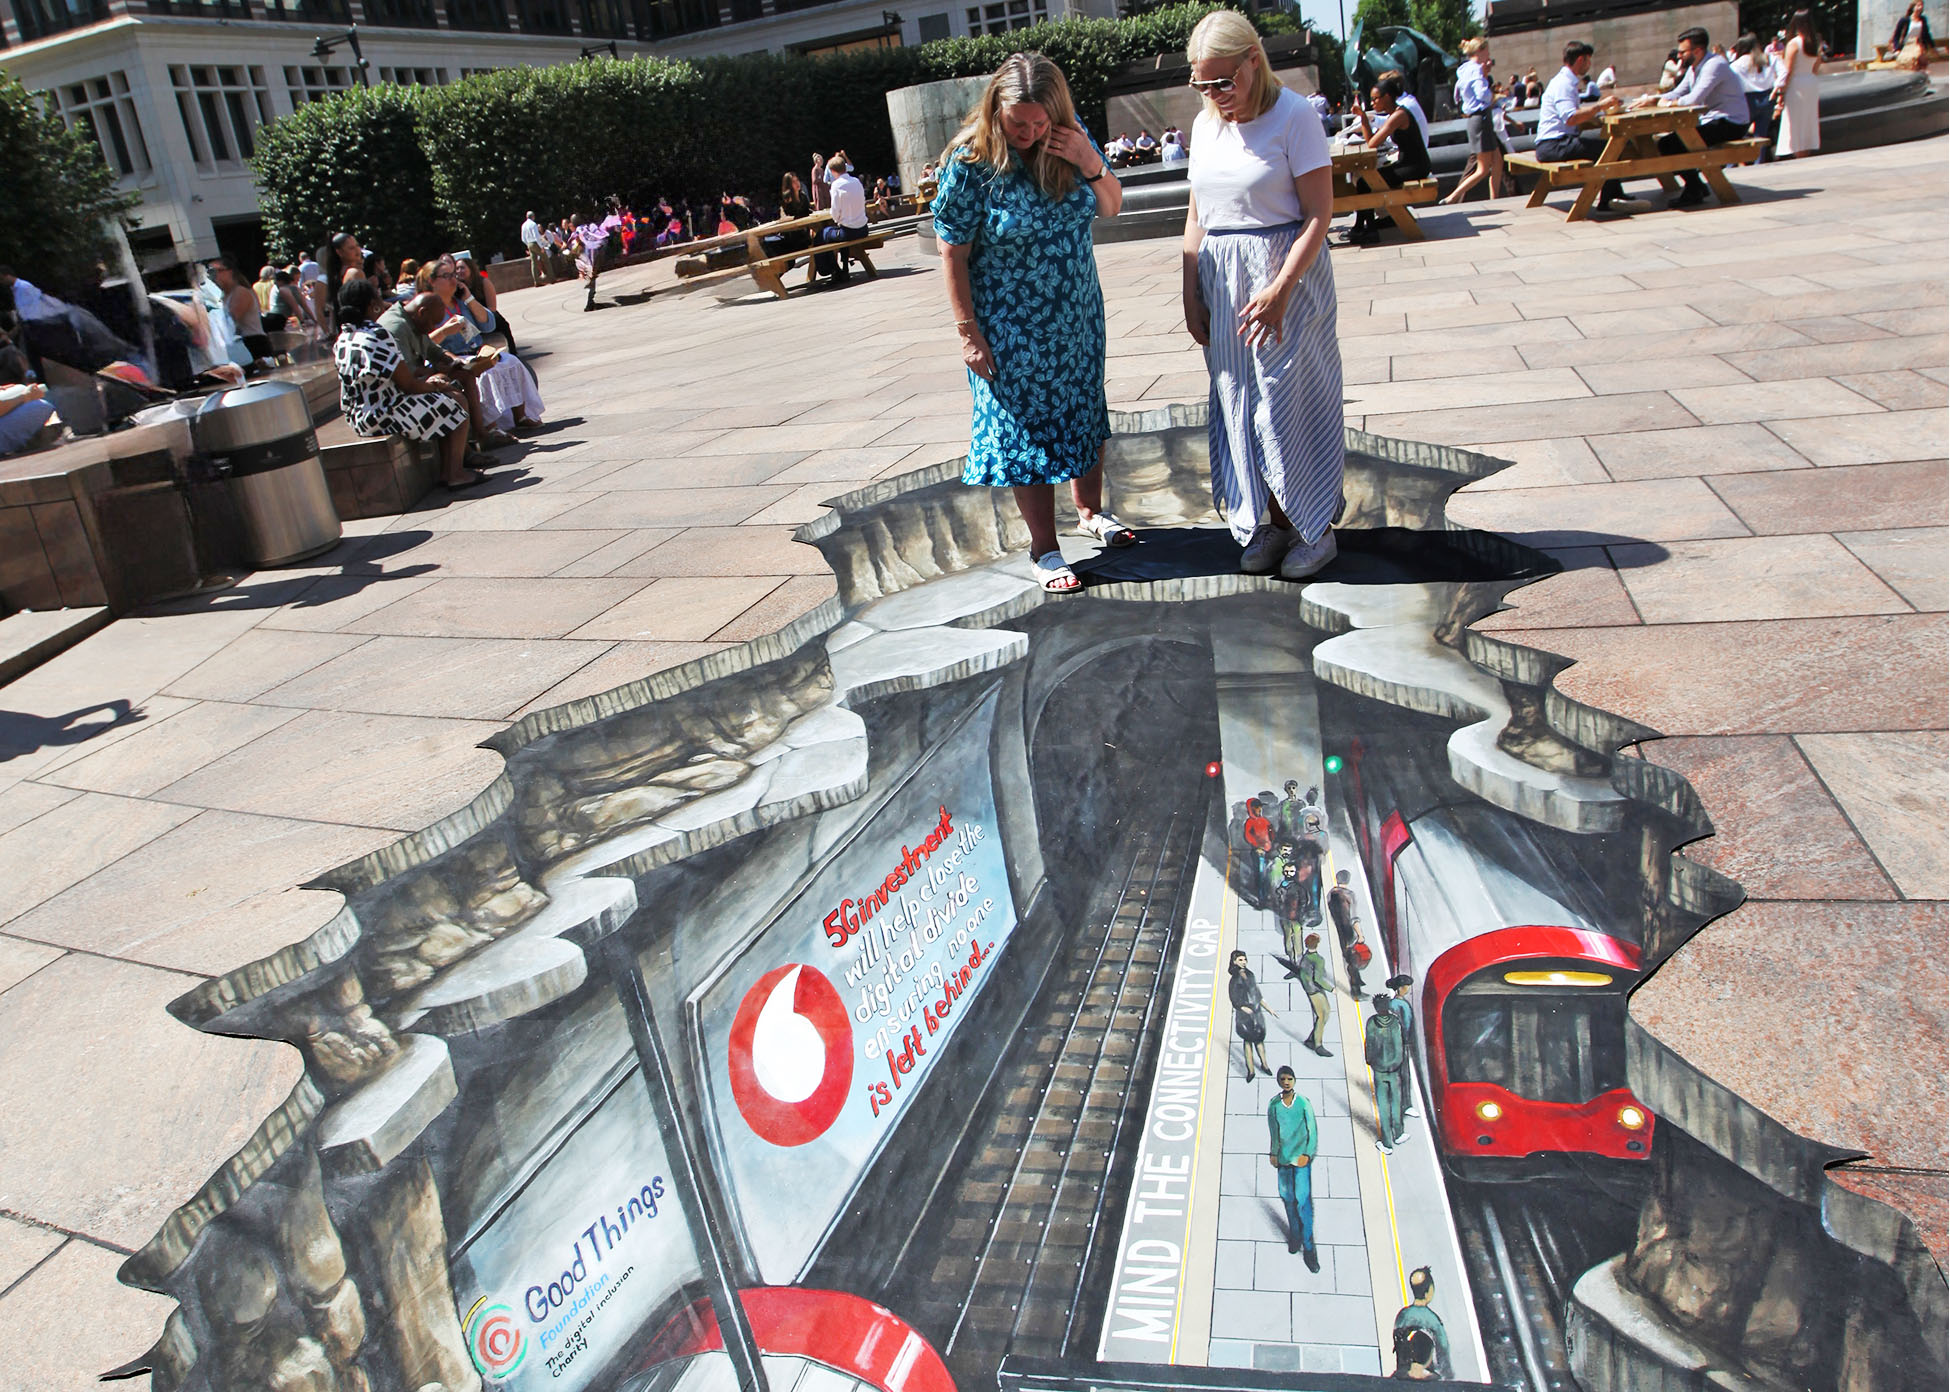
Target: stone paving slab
(1680, 392)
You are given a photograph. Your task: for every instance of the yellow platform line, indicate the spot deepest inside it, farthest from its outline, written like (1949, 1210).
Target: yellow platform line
(1227, 902)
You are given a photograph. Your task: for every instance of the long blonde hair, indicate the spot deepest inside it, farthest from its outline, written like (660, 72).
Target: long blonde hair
(1024, 77)
(1229, 34)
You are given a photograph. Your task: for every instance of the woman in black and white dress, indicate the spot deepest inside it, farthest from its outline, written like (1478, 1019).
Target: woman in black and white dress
(1259, 297)
(381, 395)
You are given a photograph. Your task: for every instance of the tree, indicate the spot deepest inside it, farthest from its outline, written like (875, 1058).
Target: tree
(56, 193)
(1329, 53)
(1375, 14)
(1448, 22)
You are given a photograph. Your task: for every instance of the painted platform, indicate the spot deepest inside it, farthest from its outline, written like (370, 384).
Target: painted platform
(1204, 1274)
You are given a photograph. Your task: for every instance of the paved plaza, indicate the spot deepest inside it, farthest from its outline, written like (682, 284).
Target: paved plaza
(1728, 424)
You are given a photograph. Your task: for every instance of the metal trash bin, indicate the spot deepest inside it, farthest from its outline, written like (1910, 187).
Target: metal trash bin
(260, 439)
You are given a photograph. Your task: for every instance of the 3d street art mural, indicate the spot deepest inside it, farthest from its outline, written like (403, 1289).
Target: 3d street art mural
(1202, 980)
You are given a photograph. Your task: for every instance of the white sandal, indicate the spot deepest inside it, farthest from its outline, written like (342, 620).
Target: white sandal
(1057, 578)
(1105, 527)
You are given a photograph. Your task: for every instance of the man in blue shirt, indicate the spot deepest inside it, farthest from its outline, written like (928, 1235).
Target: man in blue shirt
(1294, 1140)
(1562, 123)
(1711, 84)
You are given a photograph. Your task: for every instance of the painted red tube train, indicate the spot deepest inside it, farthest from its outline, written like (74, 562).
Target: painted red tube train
(1522, 966)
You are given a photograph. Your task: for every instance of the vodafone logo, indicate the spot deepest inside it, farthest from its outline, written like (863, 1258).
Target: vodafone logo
(791, 1055)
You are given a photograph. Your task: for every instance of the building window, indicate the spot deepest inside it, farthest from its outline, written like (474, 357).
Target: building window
(414, 77)
(934, 27)
(221, 110)
(401, 14)
(102, 108)
(1004, 15)
(481, 16)
(544, 16)
(662, 19)
(39, 18)
(309, 84)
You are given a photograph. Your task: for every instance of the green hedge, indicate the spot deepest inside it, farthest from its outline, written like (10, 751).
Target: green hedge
(418, 169)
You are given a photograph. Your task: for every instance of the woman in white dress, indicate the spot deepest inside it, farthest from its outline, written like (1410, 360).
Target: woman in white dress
(1798, 99)
(1259, 298)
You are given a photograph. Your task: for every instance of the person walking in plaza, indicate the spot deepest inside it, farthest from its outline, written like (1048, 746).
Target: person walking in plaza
(1021, 184)
(592, 251)
(1293, 1139)
(1420, 1315)
(1797, 101)
(536, 245)
(1398, 1002)
(1319, 986)
(1249, 1012)
(1258, 292)
(1477, 102)
(1386, 1050)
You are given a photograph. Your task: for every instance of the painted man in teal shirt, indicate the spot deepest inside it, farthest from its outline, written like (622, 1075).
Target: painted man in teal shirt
(1294, 1139)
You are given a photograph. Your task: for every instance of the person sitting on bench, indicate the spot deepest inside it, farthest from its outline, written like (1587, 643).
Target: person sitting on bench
(849, 223)
(1561, 122)
(1412, 158)
(1710, 83)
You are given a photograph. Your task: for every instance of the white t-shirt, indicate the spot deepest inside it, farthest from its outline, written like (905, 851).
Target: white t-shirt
(1243, 171)
(1421, 117)
(849, 201)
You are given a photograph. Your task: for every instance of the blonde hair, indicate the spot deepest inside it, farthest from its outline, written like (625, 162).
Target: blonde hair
(1229, 34)
(1472, 47)
(1024, 77)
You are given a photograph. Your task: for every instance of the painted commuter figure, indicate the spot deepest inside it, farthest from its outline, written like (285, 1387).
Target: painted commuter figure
(1293, 806)
(1347, 928)
(1293, 1139)
(1387, 1055)
(1249, 1012)
(1311, 847)
(1420, 1315)
(1318, 986)
(1284, 872)
(1259, 838)
(1398, 1002)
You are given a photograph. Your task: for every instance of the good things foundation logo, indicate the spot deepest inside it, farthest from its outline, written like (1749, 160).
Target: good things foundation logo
(791, 1055)
(495, 1339)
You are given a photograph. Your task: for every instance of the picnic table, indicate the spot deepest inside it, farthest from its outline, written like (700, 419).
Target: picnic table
(1632, 152)
(768, 271)
(1358, 186)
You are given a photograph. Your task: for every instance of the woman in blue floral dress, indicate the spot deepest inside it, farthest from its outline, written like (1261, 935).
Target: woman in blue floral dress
(1020, 185)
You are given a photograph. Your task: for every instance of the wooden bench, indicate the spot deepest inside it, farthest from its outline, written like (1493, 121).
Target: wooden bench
(770, 272)
(1632, 152)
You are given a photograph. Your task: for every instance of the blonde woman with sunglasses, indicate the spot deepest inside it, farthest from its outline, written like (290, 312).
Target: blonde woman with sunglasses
(1259, 298)
(1021, 184)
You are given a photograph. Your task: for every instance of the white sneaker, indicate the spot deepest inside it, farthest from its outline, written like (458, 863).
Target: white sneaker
(1384, 1147)
(1262, 554)
(1304, 558)
(1628, 205)
(1410, 1112)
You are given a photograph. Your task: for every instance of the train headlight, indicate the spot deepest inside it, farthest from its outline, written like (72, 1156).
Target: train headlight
(1489, 1111)
(1631, 1118)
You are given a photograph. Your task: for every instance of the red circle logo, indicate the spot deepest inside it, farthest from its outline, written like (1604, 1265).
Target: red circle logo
(791, 1055)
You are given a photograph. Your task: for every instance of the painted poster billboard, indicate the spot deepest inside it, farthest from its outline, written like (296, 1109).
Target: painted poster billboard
(577, 1261)
(816, 1037)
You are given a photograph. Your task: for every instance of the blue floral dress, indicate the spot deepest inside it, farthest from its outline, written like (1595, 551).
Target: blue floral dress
(1033, 274)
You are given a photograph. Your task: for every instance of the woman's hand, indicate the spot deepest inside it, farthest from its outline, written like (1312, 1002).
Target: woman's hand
(1263, 320)
(1070, 143)
(975, 352)
(1198, 319)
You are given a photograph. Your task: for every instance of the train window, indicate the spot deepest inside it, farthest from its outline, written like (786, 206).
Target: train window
(1554, 1043)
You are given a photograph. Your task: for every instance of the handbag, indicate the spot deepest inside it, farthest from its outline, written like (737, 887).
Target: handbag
(1361, 954)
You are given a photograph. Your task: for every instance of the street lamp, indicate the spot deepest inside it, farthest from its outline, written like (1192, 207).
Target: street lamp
(321, 49)
(591, 50)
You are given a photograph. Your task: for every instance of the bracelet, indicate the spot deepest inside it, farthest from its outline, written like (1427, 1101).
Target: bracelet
(964, 323)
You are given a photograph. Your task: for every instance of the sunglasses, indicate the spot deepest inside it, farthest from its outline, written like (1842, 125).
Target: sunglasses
(1218, 87)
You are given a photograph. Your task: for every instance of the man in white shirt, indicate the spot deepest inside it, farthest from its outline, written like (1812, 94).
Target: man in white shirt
(849, 220)
(1710, 84)
(1562, 123)
(537, 248)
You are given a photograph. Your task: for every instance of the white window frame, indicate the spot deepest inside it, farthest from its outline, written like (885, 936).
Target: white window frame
(99, 107)
(217, 111)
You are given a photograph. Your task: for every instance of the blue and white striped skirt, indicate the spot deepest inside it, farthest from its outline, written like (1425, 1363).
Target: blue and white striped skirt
(1276, 409)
